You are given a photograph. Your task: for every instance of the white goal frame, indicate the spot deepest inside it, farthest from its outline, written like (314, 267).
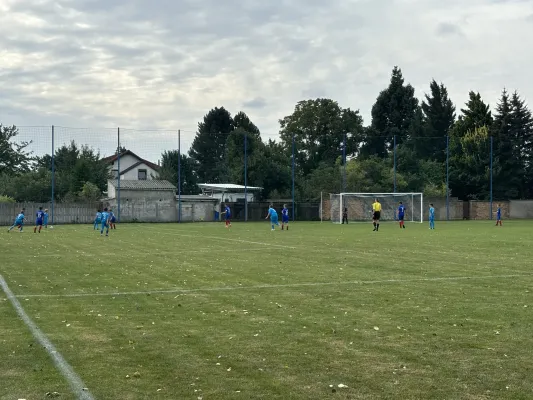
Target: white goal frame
(412, 194)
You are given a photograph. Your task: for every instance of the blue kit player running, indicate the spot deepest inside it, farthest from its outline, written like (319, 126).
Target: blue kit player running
(227, 215)
(39, 220)
(285, 217)
(401, 215)
(431, 216)
(273, 215)
(105, 222)
(97, 219)
(112, 220)
(19, 222)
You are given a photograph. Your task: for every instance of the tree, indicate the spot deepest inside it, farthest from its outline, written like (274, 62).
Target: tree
(90, 192)
(508, 171)
(521, 132)
(476, 115)
(470, 165)
(209, 146)
(14, 156)
(169, 171)
(439, 117)
(319, 127)
(392, 115)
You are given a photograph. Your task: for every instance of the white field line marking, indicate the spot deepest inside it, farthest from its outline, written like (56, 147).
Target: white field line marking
(76, 384)
(280, 286)
(234, 240)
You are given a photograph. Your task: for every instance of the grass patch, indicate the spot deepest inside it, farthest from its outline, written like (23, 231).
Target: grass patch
(250, 314)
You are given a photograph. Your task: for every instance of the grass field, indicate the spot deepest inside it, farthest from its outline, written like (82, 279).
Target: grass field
(195, 311)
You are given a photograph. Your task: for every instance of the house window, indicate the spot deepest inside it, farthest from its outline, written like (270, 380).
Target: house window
(142, 175)
(115, 173)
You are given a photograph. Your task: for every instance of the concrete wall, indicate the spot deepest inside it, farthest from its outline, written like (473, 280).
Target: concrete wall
(64, 213)
(521, 209)
(146, 206)
(197, 211)
(480, 210)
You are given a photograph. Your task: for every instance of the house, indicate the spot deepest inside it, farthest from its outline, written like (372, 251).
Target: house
(132, 167)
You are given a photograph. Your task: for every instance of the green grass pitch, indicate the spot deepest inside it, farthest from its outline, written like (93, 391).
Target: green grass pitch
(196, 311)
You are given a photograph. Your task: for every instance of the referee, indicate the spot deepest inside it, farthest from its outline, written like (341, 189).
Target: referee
(376, 214)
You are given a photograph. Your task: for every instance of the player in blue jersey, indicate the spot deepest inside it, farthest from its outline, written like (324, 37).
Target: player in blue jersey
(112, 220)
(499, 215)
(273, 215)
(431, 216)
(19, 222)
(39, 220)
(227, 215)
(401, 215)
(97, 219)
(45, 222)
(285, 217)
(105, 222)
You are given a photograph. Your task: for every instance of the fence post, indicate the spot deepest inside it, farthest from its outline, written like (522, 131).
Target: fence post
(118, 174)
(394, 167)
(53, 175)
(293, 206)
(447, 177)
(491, 147)
(245, 177)
(344, 165)
(179, 176)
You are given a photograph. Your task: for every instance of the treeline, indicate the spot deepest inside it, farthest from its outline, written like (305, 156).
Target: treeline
(408, 145)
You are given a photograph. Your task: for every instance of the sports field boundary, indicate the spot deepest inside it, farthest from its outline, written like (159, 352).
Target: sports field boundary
(276, 286)
(77, 386)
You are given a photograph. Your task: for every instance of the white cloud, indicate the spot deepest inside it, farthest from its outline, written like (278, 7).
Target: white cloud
(163, 64)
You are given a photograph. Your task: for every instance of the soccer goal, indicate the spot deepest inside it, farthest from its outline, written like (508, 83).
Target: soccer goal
(359, 206)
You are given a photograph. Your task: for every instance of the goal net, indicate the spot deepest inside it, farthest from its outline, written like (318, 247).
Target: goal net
(359, 206)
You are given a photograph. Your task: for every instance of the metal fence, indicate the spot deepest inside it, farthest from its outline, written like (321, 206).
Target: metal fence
(439, 167)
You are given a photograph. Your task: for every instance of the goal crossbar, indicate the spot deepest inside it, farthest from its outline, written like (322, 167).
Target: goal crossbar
(413, 201)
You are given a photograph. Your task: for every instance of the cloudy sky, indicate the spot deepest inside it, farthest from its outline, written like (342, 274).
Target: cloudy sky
(159, 65)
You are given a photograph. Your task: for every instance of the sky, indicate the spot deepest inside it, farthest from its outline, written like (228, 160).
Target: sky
(153, 67)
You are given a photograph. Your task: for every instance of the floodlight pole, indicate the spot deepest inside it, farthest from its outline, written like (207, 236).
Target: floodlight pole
(118, 175)
(447, 177)
(293, 207)
(344, 165)
(179, 176)
(245, 177)
(491, 147)
(394, 165)
(53, 175)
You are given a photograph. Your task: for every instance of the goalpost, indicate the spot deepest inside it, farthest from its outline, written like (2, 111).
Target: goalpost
(359, 206)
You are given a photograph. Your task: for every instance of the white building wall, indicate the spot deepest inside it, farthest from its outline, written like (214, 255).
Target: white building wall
(133, 175)
(126, 162)
(232, 197)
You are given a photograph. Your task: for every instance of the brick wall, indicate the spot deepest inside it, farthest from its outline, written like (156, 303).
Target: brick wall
(480, 210)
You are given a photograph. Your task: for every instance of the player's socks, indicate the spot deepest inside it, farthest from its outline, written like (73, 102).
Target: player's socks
(377, 227)
(35, 230)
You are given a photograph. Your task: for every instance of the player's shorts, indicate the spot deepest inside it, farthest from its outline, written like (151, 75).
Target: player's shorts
(39, 222)
(97, 221)
(19, 223)
(113, 219)
(274, 219)
(401, 217)
(285, 219)
(376, 215)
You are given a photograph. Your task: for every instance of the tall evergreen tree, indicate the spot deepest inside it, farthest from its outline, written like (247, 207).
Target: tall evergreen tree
(392, 115)
(439, 117)
(208, 149)
(508, 169)
(476, 115)
(521, 132)
(169, 171)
